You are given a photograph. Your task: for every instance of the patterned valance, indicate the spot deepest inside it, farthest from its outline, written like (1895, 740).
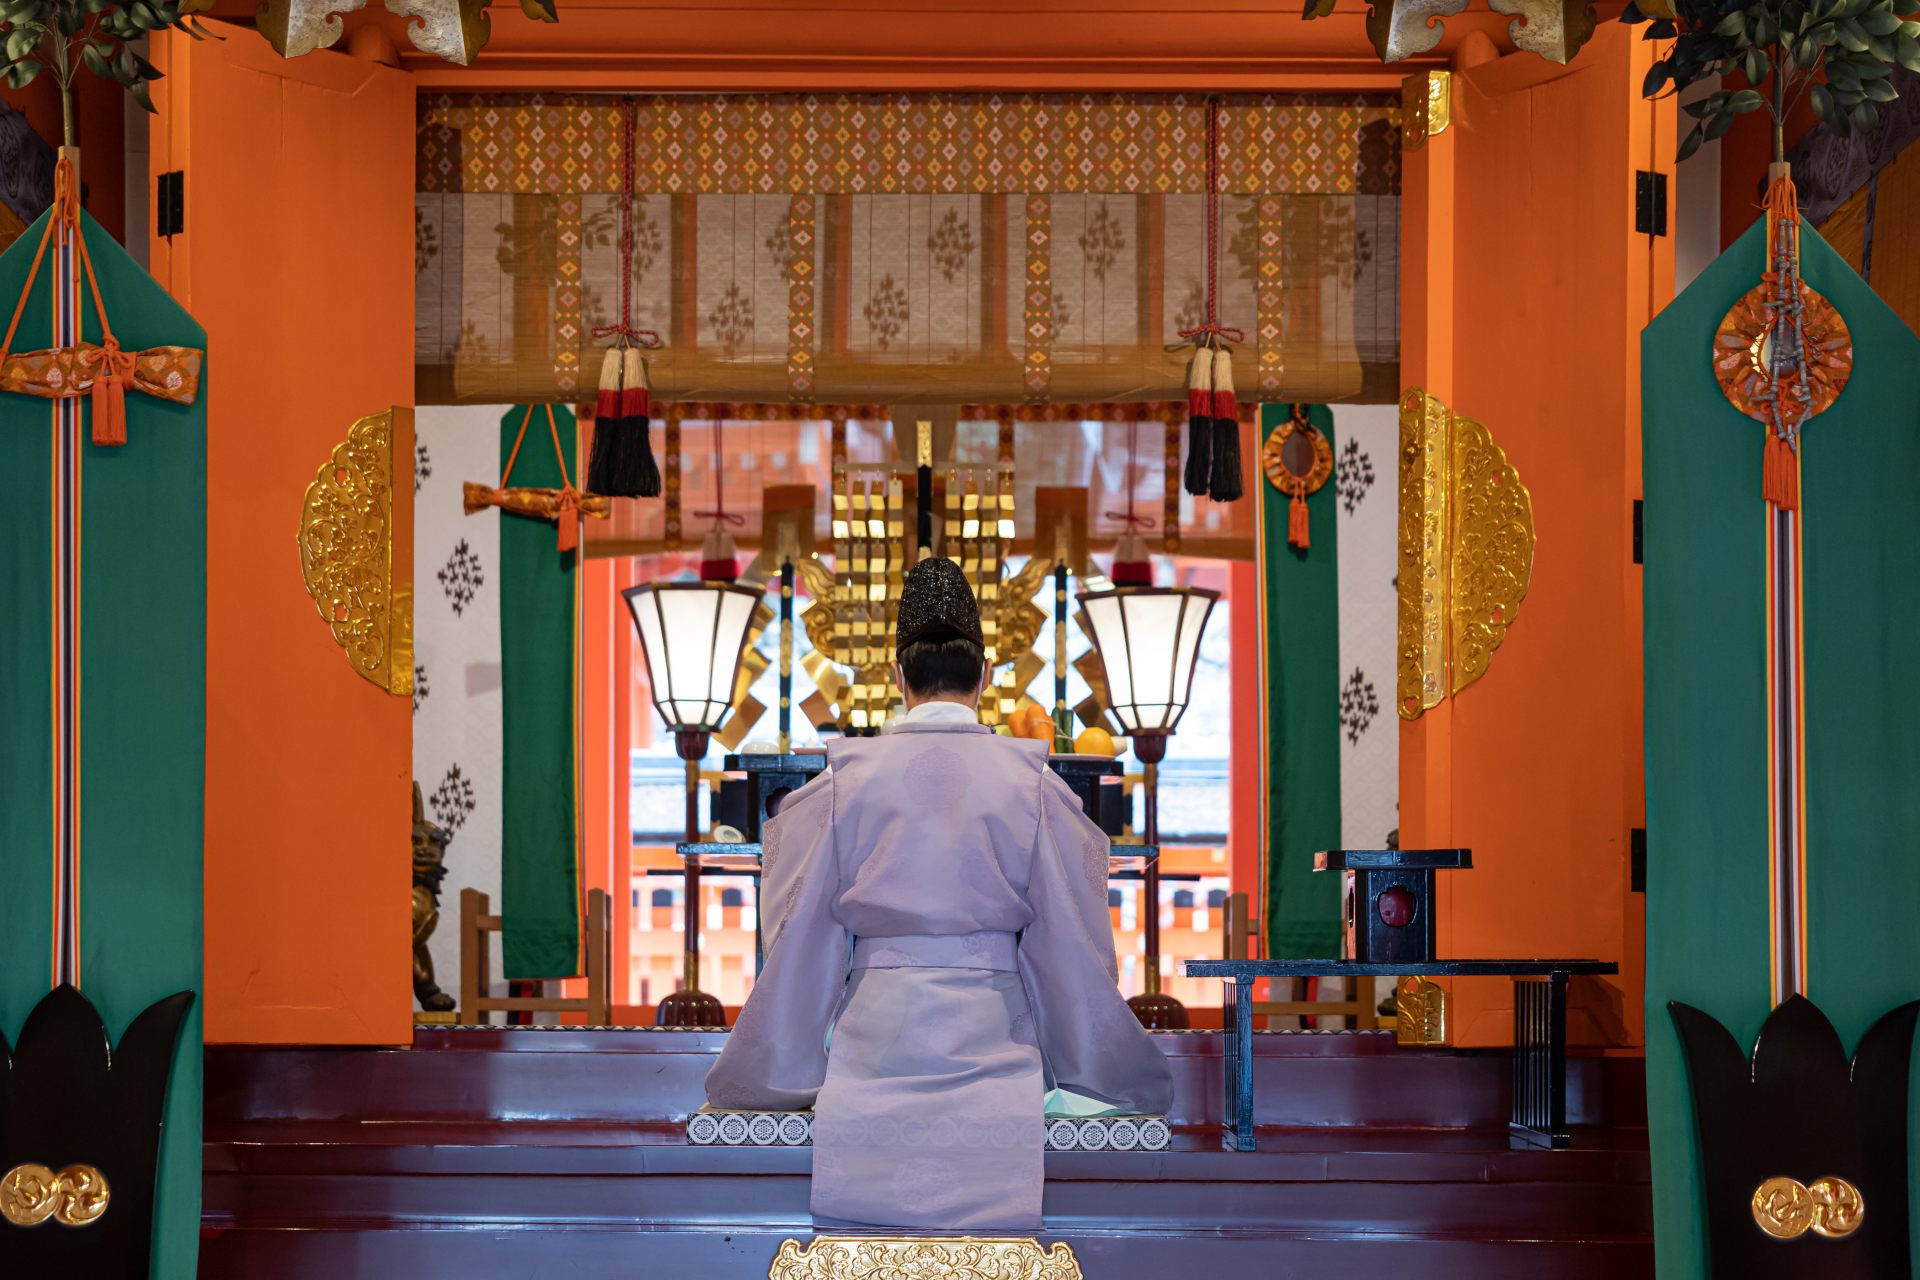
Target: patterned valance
(906, 249)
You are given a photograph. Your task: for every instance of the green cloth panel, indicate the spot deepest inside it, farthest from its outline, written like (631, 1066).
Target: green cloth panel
(142, 709)
(1301, 631)
(540, 850)
(1706, 708)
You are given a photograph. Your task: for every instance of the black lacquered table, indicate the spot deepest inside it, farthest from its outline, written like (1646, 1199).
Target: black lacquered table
(1539, 1116)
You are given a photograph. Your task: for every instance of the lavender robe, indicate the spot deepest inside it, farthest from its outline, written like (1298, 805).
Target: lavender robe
(939, 900)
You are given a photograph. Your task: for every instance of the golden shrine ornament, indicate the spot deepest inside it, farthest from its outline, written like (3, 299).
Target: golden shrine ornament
(1829, 1207)
(31, 1194)
(1297, 460)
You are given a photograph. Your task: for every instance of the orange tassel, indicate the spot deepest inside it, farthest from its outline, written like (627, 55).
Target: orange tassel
(109, 409)
(1780, 478)
(1297, 531)
(569, 525)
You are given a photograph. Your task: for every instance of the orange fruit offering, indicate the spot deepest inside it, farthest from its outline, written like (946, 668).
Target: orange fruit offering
(1094, 742)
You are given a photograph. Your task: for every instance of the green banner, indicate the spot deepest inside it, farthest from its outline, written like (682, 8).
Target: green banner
(141, 574)
(539, 654)
(1300, 630)
(1708, 939)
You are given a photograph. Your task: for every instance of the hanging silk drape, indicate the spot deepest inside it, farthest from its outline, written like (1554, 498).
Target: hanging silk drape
(906, 249)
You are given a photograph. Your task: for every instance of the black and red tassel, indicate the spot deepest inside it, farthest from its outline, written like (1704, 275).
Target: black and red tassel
(1199, 421)
(622, 464)
(1224, 479)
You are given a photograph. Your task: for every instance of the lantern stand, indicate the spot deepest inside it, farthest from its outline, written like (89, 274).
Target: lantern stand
(690, 1006)
(1155, 1010)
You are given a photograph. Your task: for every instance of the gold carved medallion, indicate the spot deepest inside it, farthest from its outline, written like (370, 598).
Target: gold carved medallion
(923, 1258)
(1466, 551)
(31, 1194)
(1829, 1207)
(356, 549)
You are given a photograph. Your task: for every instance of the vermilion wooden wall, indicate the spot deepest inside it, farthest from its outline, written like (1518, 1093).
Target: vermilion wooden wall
(299, 185)
(1526, 288)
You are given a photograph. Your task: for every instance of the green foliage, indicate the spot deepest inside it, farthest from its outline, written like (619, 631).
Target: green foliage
(97, 34)
(1838, 52)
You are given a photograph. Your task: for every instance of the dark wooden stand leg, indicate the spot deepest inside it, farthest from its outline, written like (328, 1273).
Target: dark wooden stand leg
(1237, 1061)
(1540, 1062)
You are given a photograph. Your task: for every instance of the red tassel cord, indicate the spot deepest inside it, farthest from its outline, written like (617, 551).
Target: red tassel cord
(623, 464)
(1213, 425)
(1298, 534)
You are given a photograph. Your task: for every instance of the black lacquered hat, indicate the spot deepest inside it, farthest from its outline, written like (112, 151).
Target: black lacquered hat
(936, 603)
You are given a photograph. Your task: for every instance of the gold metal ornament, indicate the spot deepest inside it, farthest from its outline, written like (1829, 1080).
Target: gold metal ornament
(1424, 522)
(83, 1196)
(1491, 560)
(1838, 1208)
(1554, 29)
(28, 1195)
(1420, 1012)
(1830, 1207)
(451, 30)
(1466, 551)
(918, 1257)
(356, 549)
(1782, 1208)
(296, 28)
(1401, 29)
(1426, 107)
(31, 1194)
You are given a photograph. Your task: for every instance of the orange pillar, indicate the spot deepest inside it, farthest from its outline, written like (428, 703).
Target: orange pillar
(1527, 287)
(297, 257)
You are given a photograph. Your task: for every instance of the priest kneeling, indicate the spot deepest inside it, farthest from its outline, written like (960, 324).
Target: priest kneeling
(938, 954)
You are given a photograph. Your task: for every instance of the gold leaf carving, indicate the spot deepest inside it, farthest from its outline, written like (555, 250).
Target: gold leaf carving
(347, 550)
(1466, 551)
(1492, 555)
(922, 1258)
(1423, 549)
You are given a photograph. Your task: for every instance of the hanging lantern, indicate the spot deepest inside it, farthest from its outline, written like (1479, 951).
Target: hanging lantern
(691, 635)
(1148, 638)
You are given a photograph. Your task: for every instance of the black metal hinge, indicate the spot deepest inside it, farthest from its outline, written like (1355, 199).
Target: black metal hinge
(170, 204)
(1637, 859)
(1639, 530)
(1650, 203)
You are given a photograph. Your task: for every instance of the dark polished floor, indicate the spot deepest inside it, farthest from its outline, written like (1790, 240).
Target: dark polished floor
(536, 1153)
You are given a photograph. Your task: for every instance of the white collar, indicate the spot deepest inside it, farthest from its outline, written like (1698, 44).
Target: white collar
(941, 713)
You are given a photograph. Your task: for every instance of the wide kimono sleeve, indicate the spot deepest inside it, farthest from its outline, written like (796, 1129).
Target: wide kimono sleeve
(775, 1058)
(1089, 1039)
